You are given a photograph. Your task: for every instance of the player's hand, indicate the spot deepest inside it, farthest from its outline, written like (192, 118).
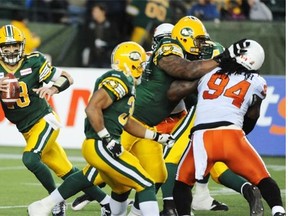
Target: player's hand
(230, 53)
(4, 85)
(164, 139)
(113, 146)
(45, 92)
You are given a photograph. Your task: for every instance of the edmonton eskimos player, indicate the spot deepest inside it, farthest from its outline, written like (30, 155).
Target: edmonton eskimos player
(32, 115)
(108, 114)
(166, 64)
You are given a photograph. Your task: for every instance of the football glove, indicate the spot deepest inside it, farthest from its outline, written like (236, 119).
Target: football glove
(226, 60)
(164, 139)
(113, 146)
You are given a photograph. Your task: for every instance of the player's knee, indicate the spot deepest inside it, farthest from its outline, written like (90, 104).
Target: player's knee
(73, 170)
(217, 170)
(148, 194)
(31, 160)
(120, 197)
(215, 177)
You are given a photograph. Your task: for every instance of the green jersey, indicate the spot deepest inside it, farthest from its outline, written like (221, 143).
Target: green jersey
(32, 72)
(150, 11)
(152, 104)
(120, 88)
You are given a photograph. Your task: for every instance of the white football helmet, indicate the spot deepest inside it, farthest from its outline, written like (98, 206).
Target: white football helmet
(162, 30)
(254, 56)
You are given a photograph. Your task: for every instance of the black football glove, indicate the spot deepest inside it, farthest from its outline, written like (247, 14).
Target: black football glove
(113, 146)
(164, 139)
(226, 60)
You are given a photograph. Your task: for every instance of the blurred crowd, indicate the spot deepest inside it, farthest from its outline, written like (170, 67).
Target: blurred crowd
(78, 11)
(105, 23)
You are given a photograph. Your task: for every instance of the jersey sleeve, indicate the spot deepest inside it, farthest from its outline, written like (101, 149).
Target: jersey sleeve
(115, 86)
(261, 87)
(167, 47)
(45, 70)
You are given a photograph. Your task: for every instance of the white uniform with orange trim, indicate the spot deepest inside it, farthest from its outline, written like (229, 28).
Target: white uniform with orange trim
(223, 98)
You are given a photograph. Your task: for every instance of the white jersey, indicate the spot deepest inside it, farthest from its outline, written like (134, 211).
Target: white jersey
(227, 98)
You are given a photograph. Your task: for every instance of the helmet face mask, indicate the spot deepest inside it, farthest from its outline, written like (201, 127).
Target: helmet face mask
(130, 58)
(12, 44)
(191, 34)
(202, 46)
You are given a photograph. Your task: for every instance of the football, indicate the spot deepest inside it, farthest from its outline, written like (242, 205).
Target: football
(10, 97)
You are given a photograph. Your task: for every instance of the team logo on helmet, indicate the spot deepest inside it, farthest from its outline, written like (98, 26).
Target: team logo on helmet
(186, 32)
(134, 56)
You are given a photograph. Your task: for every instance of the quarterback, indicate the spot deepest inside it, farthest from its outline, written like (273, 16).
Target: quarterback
(32, 115)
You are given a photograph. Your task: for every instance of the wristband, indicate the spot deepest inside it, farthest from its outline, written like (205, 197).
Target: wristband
(61, 83)
(103, 133)
(149, 134)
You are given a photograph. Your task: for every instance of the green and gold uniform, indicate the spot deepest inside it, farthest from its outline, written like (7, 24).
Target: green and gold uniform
(125, 172)
(151, 107)
(36, 120)
(149, 13)
(32, 72)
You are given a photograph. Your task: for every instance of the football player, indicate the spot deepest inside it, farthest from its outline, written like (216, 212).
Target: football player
(109, 112)
(145, 15)
(227, 110)
(32, 115)
(166, 64)
(154, 87)
(220, 172)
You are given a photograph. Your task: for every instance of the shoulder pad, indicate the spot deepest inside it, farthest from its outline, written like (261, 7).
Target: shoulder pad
(261, 89)
(116, 83)
(167, 46)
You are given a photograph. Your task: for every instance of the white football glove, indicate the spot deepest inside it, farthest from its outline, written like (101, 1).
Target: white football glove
(164, 139)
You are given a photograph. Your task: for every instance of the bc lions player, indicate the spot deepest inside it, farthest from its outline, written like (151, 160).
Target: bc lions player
(228, 107)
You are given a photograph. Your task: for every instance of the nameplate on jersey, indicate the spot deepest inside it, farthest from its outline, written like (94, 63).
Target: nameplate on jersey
(1, 75)
(26, 71)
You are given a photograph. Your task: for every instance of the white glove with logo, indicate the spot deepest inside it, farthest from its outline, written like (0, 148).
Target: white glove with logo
(164, 139)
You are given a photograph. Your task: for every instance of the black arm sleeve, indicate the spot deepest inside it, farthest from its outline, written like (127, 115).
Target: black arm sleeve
(248, 124)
